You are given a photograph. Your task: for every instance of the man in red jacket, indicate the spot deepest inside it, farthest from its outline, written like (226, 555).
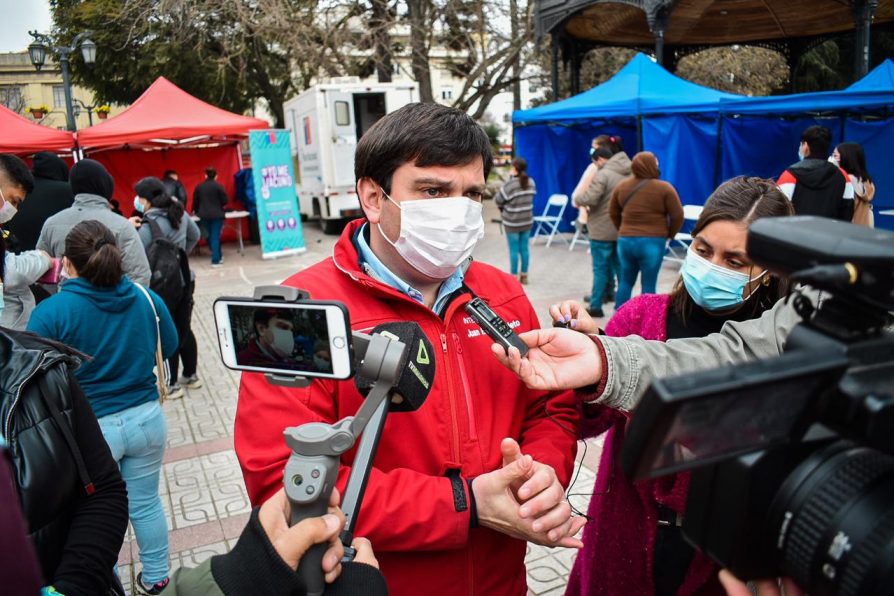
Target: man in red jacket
(460, 484)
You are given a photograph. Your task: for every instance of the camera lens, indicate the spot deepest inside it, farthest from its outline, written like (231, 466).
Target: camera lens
(297, 479)
(836, 523)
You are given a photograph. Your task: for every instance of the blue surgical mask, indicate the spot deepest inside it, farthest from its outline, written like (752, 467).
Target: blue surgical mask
(800, 154)
(711, 286)
(137, 204)
(592, 151)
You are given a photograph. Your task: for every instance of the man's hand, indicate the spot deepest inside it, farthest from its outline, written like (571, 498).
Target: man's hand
(364, 552)
(542, 497)
(136, 221)
(765, 587)
(292, 543)
(499, 508)
(575, 314)
(557, 359)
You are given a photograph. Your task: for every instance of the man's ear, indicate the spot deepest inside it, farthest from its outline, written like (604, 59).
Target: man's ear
(371, 198)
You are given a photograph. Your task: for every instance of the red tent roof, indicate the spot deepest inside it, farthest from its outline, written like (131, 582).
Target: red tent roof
(18, 135)
(166, 115)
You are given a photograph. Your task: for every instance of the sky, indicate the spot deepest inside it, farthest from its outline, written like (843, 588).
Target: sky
(19, 17)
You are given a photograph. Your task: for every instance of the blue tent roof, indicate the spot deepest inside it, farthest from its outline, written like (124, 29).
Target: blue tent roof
(641, 87)
(872, 92)
(880, 78)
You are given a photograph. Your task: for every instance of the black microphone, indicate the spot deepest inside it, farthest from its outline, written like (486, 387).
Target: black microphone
(418, 373)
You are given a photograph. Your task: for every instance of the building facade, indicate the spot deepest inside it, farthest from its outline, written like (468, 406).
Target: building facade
(23, 87)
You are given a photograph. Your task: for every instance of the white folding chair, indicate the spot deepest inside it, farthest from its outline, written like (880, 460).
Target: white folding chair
(676, 248)
(580, 230)
(551, 217)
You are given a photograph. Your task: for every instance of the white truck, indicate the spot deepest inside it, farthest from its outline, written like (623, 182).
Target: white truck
(326, 122)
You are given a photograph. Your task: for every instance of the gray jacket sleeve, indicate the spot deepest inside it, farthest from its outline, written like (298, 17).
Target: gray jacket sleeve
(135, 263)
(633, 362)
(591, 197)
(22, 270)
(192, 233)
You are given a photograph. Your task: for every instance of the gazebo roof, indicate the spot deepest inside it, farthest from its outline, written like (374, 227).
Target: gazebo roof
(700, 22)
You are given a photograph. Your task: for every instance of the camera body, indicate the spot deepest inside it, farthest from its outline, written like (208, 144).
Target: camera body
(792, 472)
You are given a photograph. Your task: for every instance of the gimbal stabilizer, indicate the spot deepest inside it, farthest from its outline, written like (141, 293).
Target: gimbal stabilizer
(312, 469)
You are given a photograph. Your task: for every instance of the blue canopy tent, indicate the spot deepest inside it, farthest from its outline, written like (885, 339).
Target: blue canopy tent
(643, 104)
(760, 135)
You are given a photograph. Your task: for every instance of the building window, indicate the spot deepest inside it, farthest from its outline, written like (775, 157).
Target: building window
(11, 97)
(58, 96)
(447, 94)
(395, 68)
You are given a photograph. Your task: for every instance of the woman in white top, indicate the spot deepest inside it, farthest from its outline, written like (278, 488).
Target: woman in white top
(851, 158)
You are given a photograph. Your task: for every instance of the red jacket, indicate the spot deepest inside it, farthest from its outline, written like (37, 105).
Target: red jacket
(422, 542)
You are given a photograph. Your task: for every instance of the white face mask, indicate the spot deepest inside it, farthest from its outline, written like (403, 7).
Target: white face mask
(437, 235)
(283, 342)
(7, 211)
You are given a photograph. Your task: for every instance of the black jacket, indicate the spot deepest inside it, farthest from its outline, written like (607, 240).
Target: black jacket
(51, 195)
(176, 189)
(208, 200)
(820, 190)
(72, 495)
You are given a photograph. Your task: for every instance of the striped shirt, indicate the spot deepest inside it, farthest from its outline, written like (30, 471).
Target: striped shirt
(517, 205)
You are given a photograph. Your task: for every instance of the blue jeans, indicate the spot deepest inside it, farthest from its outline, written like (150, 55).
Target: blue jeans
(605, 268)
(212, 228)
(136, 438)
(638, 254)
(518, 249)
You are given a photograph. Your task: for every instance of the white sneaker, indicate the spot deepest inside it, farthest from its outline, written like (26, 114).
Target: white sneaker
(190, 382)
(175, 391)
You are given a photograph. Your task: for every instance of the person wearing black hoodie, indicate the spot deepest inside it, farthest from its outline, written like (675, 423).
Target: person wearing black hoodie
(815, 186)
(51, 194)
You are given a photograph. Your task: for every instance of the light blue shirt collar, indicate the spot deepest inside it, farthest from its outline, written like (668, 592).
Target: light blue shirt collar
(372, 266)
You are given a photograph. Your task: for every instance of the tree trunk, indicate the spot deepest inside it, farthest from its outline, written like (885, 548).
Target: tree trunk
(419, 32)
(380, 23)
(516, 64)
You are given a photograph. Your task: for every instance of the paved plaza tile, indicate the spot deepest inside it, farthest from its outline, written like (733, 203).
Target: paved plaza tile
(202, 492)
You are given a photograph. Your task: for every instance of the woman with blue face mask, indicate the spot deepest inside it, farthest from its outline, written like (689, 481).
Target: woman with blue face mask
(632, 542)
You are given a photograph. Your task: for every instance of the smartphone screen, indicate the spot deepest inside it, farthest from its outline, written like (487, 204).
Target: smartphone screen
(308, 338)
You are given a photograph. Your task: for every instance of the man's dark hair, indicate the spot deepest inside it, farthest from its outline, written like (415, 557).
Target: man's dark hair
(819, 139)
(211, 172)
(604, 152)
(16, 171)
(169, 173)
(424, 134)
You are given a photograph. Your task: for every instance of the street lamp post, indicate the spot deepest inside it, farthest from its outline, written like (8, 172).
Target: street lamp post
(87, 108)
(38, 53)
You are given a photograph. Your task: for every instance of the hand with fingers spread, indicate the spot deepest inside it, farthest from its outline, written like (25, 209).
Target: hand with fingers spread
(556, 359)
(575, 315)
(547, 517)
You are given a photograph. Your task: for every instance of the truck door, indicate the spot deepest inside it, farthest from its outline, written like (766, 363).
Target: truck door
(344, 137)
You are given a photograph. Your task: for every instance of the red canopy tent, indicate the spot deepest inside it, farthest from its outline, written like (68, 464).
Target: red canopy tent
(19, 136)
(166, 128)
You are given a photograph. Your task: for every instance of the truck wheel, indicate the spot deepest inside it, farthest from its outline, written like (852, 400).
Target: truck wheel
(332, 227)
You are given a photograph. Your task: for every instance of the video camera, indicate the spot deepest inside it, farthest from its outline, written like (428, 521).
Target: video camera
(792, 458)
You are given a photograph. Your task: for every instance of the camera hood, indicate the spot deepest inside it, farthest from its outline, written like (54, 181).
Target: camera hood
(815, 247)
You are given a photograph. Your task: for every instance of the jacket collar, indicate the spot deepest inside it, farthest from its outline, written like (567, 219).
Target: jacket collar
(86, 199)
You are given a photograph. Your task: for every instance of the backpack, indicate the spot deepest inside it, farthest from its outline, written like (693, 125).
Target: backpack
(169, 265)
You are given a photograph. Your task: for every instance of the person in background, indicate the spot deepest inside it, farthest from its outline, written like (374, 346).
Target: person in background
(50, 195)
(25, 268)
(175, 188)
(647, 213)
(815, 186)
(516, 203)
(100, 312)
(613, 166)
(174, 224)
(718, 283)
(115, 206)
(851, 158)
(93, 187)
(208, 202)
(70, 490)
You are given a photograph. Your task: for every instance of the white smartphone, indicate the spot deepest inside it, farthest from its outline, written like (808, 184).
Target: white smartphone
(310, 338)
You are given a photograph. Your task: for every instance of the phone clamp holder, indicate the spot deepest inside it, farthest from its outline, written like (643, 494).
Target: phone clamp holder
(312, 469)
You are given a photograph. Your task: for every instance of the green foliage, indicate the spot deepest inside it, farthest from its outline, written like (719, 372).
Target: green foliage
(133, 52)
